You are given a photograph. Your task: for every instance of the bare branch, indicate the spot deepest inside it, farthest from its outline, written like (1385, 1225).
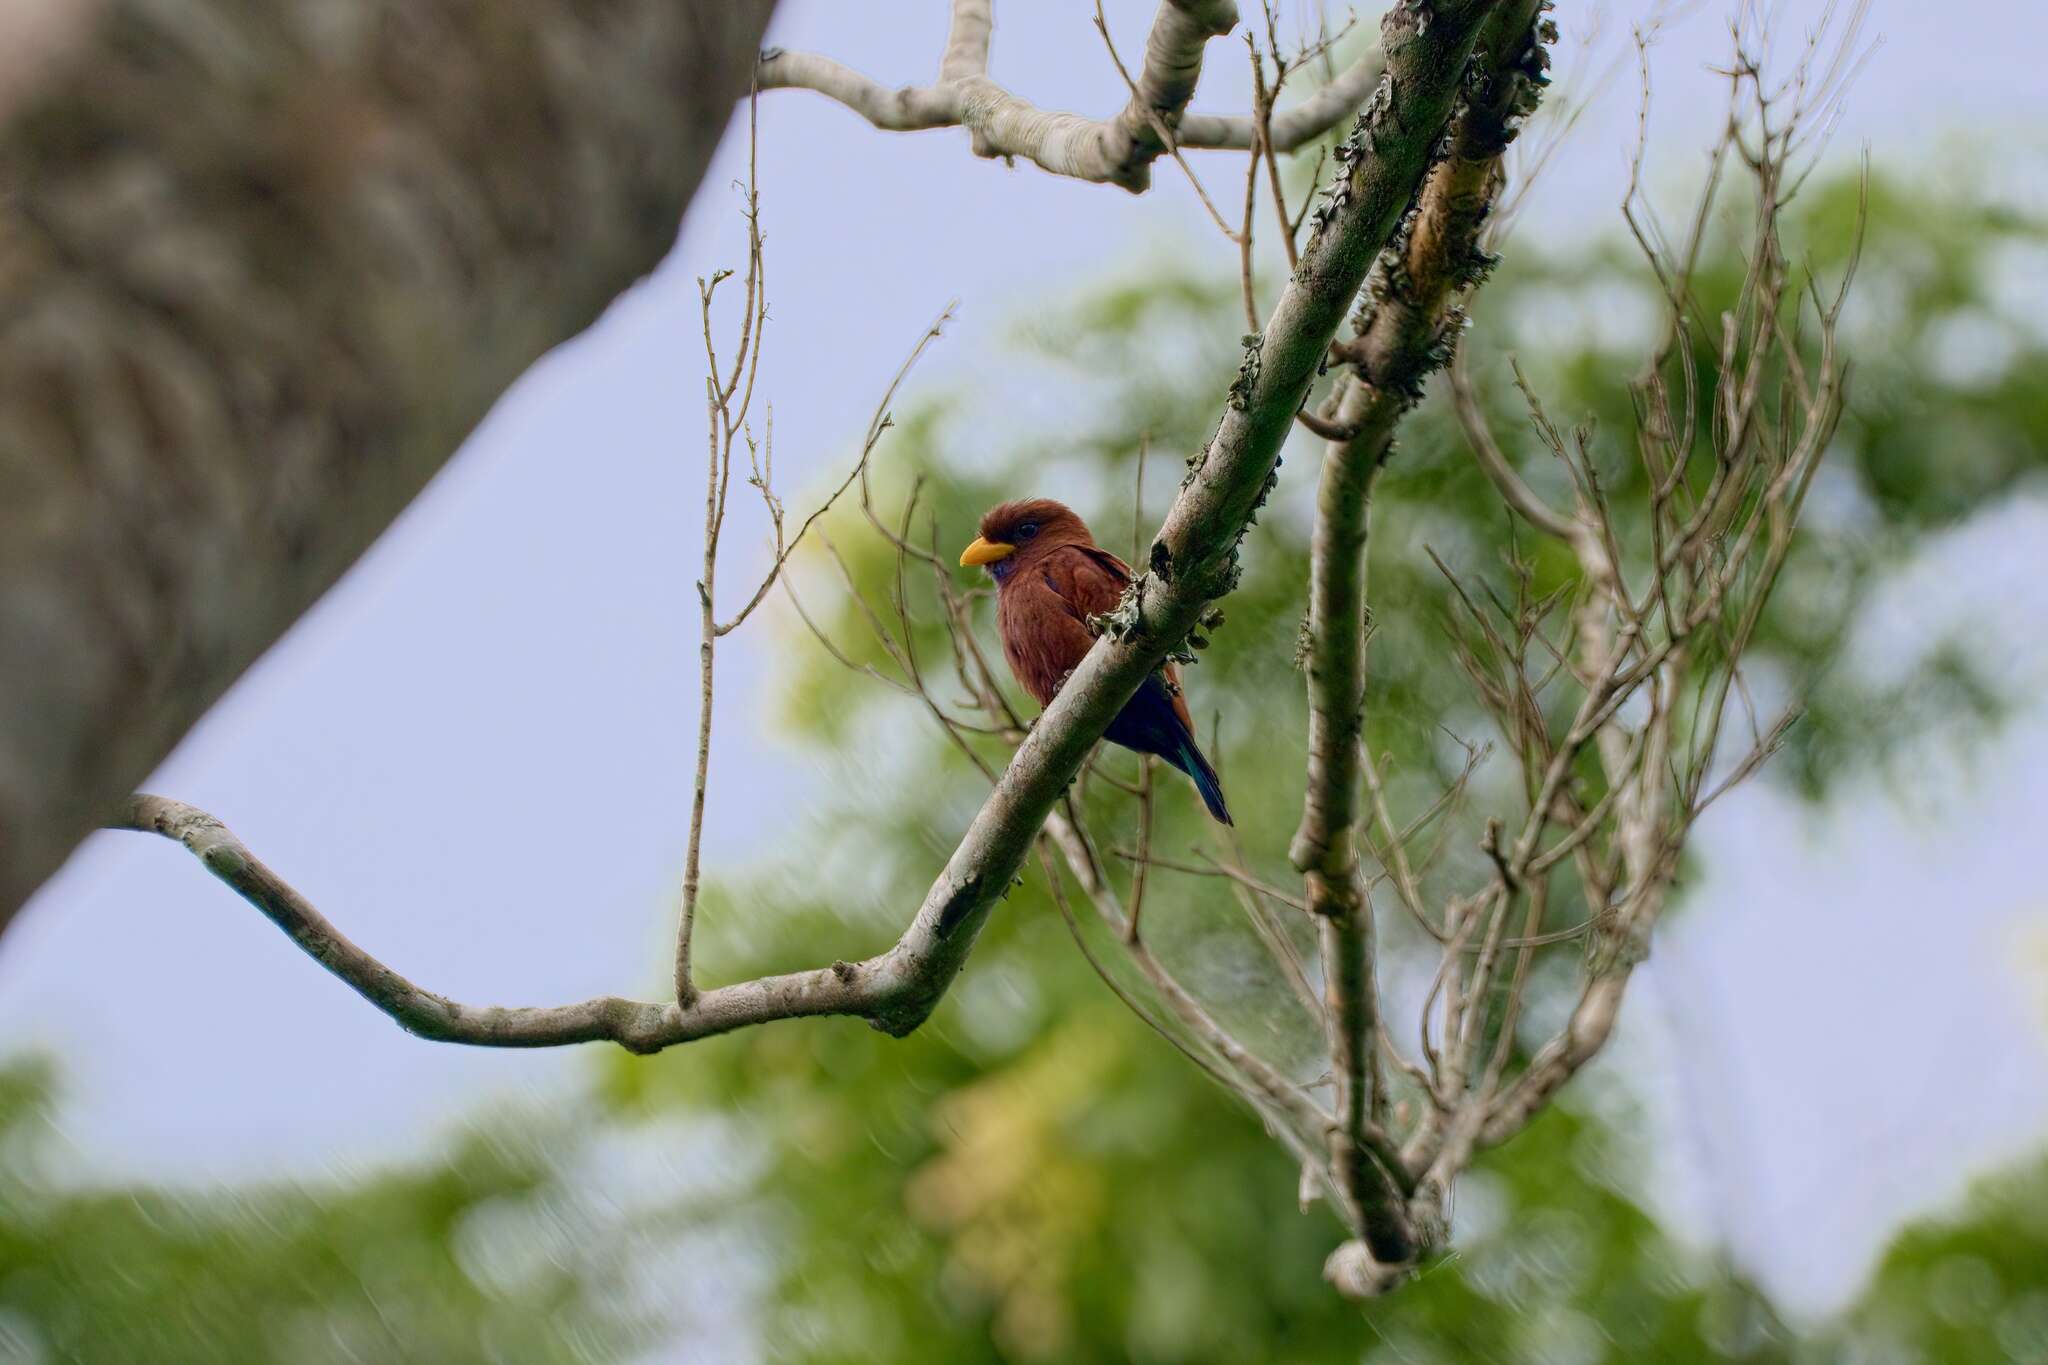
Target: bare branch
(877, 424)
(1495, 464)
(1295, 127)
(1157, 123)
(726, 406)
(1276, 1117)
(906, 109)
(1227, 871)
(967, 42)
(1712, 565)
(723, 425)
(1273, 1091)
(1141, 864)
(1412, 320)
(890, 990)
(1116, 151)
(1327, 429)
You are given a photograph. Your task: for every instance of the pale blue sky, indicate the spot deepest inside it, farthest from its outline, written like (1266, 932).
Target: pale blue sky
(475, 753)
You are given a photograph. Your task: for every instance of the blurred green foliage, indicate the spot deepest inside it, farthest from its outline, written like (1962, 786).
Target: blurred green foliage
(474, 1257)
(1036, 1175)
(1965, 1287)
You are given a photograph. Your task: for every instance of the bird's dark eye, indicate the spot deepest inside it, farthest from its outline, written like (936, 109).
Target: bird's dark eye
(1027, 530)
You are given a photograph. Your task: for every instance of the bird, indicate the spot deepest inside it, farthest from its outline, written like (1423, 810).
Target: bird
(1051, 577)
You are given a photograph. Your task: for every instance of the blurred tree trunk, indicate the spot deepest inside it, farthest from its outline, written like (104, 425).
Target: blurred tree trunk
(262, 267)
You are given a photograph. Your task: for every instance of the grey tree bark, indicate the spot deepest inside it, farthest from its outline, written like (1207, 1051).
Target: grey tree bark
(262, 267)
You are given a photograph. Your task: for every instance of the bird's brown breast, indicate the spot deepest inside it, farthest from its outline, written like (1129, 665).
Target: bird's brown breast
(1041, 639)
(1043, 609)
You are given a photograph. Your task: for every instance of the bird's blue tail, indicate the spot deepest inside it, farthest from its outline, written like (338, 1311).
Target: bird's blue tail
(1150, 724)
(1190, 761)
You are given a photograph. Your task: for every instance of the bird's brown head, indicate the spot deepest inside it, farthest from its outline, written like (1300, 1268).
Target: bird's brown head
(1017, 533)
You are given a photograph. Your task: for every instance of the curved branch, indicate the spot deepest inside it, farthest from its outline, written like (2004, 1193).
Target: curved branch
(870, 989)
(967, 40)
(1297, 125)
(1274, 1092)
(1499, 470)
(902, 110)
(1119, 150)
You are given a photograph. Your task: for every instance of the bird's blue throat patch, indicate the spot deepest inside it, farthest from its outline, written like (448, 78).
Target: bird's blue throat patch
(1003, 568)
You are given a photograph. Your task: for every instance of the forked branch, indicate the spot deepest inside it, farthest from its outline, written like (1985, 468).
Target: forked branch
(1411, 319)
(1611, 693)
(1119, 150)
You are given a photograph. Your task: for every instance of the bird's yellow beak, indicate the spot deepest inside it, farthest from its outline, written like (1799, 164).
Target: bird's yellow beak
(985, 552)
